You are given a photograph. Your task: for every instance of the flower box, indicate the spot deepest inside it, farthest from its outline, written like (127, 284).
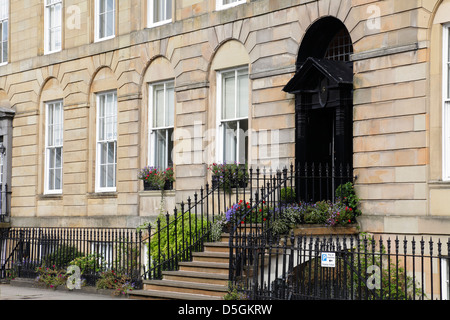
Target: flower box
(149, 186)
(154, 179)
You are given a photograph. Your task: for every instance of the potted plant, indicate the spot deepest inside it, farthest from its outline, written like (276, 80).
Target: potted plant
(229, 175)
(154, 179)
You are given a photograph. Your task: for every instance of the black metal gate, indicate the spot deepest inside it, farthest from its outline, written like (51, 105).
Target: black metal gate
(341, 268)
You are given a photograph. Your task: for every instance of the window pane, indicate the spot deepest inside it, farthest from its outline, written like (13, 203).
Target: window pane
(58, 179)
(110, 5)
(242, 99)
(170, 109)
(170, 148)
(51, 158)
(101, 26)
(158, 106)
(111, 152)
(111, 181)
(51, 179)
(168, 10)
(58, 157)
(228, 96)
(110, 24)
(230, 141)
(157, 7)
(102, 176)
(243, 141)
(160, 146)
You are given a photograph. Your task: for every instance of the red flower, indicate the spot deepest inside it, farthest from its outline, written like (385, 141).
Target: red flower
(248, 207)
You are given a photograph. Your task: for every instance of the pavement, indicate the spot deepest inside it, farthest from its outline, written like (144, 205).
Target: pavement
(27, 290)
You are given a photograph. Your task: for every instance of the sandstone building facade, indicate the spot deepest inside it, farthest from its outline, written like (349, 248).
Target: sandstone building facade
(92, 91)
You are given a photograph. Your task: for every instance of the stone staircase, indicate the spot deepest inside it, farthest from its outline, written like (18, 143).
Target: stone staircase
(203, 278)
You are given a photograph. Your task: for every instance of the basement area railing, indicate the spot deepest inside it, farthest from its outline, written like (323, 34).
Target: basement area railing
(341, 268)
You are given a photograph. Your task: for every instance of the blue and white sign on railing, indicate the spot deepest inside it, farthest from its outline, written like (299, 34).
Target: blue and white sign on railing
(328, 259)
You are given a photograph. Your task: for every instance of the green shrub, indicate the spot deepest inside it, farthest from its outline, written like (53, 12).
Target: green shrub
(317, 213)
(119, 282)
(288, 195)
(189, 227)
(91, 263)
(62, 256)
(345, 194)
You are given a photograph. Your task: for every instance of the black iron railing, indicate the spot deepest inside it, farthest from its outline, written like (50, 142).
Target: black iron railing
(24, 250)
(174, 237)
(242, 201)
(362, 268)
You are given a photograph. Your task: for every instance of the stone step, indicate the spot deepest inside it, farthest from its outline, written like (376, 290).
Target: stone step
(186, 287)
(217, 247)
(168, 295)
(221, 257)
(207, 267)
(197, 277)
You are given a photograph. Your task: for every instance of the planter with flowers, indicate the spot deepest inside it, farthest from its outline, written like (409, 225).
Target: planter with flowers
(227, 176)
(320, 218)
(155, 179)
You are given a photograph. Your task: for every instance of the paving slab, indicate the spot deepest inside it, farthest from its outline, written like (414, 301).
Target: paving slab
(26, 290)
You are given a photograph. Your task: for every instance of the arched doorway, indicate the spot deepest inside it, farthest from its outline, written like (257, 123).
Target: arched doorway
(323, 88)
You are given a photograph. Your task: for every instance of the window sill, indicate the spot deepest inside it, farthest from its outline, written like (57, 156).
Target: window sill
(221, 7)
(156, 193)
(96, 40)
(439, 184)
(50, 196)
(102, 195)
(50, 52)
(160, 23)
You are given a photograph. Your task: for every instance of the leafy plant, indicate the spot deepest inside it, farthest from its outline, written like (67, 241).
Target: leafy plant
(346, 195)
(61, 256)
(51, 277)
(121, 283)
(189, 228)
(287, 195)
(235, 293)
(217, 227)
(156, 178)
(92, 263)
(317, 213)
(229, 175)
(395, 283)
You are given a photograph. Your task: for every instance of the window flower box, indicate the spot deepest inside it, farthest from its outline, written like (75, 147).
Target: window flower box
(155, 179)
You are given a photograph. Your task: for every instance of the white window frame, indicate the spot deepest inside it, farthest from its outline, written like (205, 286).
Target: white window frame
(97, 35)
(57, 130)
(221, 6)
(51, 24)
(153, 130)
(4, 20)
(220, 144)
(150, 14)
(445, 104)
(112, 139)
